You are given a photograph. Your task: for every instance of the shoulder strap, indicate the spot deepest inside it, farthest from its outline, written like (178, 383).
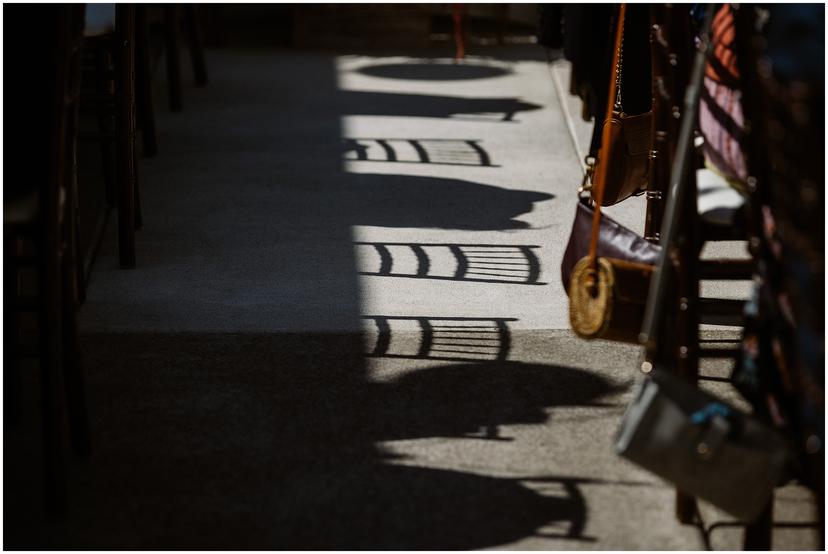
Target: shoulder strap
(598, 187)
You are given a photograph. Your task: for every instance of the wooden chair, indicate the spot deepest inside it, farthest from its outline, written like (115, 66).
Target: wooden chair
(785, 157)
(675, 342)
(39, 221)
(172, 25)
(110, 38)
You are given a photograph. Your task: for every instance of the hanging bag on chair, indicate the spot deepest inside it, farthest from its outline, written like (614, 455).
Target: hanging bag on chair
(614, 241)
(685, 435)
(703, 445)
(625, 140)
(607, 295)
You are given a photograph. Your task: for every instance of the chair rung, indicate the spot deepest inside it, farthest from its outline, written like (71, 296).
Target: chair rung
(719, 352)
(97, 98)
(721, 306)
(97, 137)
(726, 270)
(26, 351)
(26, 303)
(25, 260)
(714, 233)
(721, 311)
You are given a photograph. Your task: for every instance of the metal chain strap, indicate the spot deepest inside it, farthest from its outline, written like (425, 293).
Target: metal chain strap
(618, 71)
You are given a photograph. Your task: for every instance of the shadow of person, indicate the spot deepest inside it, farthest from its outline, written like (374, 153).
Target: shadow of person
(428, 202)
(424, 105)
(435, 71)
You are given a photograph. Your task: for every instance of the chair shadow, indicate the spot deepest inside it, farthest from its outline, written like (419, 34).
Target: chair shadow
(471, 400)
(399, 507)
(437, 70)
(424, 105)
(428, 202)
(252, 441)
(219, 440)
(470, 339)
(455, 152)
(479, 263)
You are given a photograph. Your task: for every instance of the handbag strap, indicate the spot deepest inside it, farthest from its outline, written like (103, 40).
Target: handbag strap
(598, 189)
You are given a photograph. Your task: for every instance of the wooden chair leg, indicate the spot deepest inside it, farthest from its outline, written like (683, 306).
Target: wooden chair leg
(758, 533)
(686, 508)
(49, 296)
(196, 44)
(139, 214)
(173, 67)
(125, 132)
(74, 387)
(73, 213)
(72, 294)
(11, 373)
(103, 84)
(145, 112)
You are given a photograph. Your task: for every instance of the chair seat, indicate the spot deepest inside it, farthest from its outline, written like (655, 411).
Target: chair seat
(719, 204)
(100, 20)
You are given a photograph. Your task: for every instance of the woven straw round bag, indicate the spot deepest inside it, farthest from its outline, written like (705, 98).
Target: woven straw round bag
(590, 297)
(607, 301)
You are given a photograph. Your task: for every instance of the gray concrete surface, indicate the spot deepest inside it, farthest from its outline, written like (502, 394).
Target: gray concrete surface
(211, 366)
(276, 150)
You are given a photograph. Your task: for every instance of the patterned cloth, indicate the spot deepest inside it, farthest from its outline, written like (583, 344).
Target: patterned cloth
(720, 111)
(783, 367)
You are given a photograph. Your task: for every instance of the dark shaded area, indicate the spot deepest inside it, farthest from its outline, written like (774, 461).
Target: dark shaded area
(480, 263)
(474, 511)
(230, 441)
(425, 105)
(429, 202)
(242, 441)
(433, 71)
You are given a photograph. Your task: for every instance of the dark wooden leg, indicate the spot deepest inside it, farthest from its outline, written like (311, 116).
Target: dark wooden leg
(73, 369)
(73, 289)
(758, 533)
(74, 250)
(143, 94)
(49, 296)
(686, 507)
(125, 131)
(173, 69)
(196, 44)
(11, 372)
(139, 215)
(103, 86)
(688, 313)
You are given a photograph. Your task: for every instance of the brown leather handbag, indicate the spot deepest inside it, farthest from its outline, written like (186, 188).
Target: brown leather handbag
(607, 295)
(626, 139)
(614, 241)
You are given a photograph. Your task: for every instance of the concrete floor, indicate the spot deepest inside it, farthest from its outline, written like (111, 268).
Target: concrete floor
(302, 198)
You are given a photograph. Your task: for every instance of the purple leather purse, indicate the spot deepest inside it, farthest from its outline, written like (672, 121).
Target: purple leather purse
(614, 241)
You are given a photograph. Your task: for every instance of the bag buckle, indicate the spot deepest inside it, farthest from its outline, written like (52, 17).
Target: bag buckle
(586, 182)
(716, 419)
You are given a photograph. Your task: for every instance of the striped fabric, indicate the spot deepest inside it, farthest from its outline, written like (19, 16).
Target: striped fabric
(720, 113)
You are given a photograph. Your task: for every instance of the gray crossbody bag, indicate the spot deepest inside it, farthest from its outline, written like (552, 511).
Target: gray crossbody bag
(702, 445)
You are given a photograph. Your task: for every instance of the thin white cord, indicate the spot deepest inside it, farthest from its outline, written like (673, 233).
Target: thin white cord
(570, 124)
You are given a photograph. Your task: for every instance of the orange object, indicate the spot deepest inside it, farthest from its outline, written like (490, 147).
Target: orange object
(460, 51)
